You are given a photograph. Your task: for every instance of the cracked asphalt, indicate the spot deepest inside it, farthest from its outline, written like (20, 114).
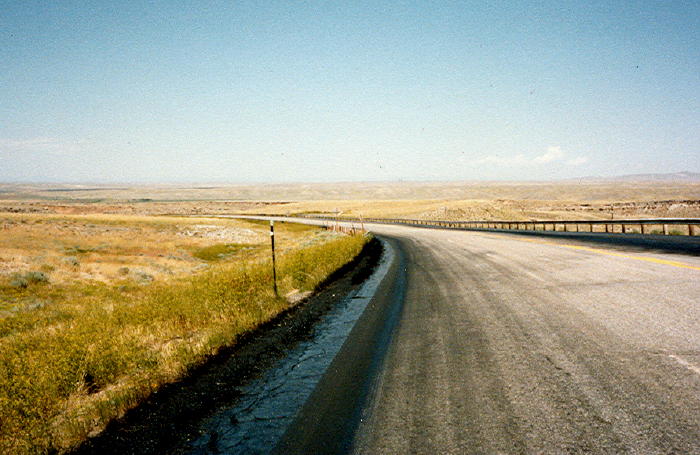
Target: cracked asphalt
(512, 345)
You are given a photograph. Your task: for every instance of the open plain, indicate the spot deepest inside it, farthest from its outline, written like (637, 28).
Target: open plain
(584, 199)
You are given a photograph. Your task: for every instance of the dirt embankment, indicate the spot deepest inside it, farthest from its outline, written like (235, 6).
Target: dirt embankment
(670, 208)
(503, 209)
(170, 417)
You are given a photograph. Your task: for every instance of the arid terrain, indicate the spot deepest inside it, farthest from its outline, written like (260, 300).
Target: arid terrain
(586, 199)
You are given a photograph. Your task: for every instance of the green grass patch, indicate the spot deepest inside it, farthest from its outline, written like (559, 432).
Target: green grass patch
(222, 251)
(71, 365)
(282, 226)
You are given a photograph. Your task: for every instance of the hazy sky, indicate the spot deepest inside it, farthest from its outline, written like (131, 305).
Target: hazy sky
(237, 91)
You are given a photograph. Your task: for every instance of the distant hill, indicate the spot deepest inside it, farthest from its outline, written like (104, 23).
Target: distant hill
(686, 177)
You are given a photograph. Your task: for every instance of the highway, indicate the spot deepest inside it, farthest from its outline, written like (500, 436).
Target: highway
(504, 343)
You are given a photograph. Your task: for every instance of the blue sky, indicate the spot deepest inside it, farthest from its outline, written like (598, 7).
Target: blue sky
(280, 91)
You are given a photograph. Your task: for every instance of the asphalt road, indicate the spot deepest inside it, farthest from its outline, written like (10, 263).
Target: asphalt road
(512, 344)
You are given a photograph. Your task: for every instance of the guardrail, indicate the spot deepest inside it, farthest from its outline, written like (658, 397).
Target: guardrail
(648, 226)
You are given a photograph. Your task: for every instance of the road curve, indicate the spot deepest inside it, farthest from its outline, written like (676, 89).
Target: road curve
(524, 345)
(506, 343)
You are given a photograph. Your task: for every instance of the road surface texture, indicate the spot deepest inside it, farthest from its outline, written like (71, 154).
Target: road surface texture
(522, 344)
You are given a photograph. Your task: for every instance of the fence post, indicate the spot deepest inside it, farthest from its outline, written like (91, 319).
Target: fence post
(274, 268)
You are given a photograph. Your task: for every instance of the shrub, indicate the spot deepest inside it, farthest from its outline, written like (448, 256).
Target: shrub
(36, 277)
(71, 260)
(23, 280)
(18, 281)
(143, 277)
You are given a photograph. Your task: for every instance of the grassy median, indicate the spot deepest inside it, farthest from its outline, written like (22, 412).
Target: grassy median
(75, 354)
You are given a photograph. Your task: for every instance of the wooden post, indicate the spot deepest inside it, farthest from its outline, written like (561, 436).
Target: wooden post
(642, 226)
(624, 228)
(274, 268)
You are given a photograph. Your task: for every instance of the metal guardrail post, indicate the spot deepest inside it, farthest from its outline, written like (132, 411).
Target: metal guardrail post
(626, 226)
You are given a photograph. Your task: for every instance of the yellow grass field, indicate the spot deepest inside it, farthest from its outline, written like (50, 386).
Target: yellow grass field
(98, 311)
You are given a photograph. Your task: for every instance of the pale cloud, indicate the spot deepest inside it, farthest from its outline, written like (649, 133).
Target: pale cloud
(553, 153)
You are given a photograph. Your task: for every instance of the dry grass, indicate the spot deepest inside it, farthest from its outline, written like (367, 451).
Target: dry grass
(116, 248)
(84, 346)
